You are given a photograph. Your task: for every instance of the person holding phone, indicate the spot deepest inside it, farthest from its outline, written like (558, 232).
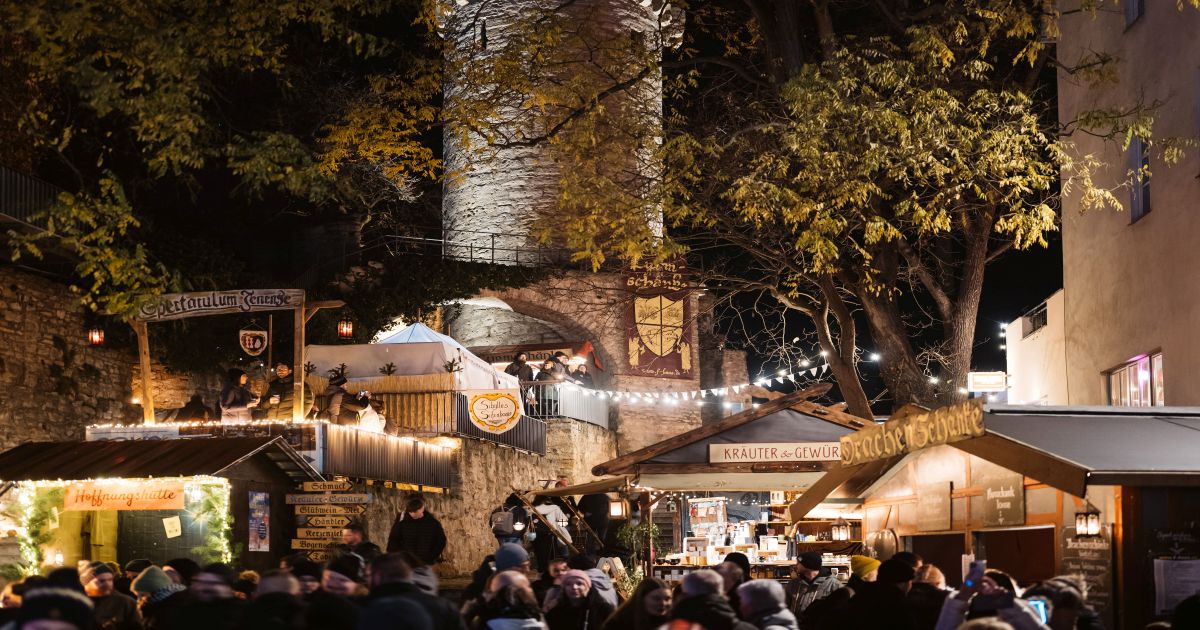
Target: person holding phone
(980, 596)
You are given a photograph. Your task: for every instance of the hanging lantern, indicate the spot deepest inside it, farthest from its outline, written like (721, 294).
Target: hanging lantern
(618, 509)
(345, 328)
(1087, 522)
(95, 336)
(840, 530)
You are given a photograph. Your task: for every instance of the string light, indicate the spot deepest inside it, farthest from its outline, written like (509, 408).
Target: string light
(874, 356)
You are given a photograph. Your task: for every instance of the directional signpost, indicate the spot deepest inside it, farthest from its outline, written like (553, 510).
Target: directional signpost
(321, 514)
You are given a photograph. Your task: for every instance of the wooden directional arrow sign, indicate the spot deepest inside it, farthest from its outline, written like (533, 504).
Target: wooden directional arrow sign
(310, 545)
(327, 521)
(317, 556)
(327, 499)
(318, 533)
(315, 510)
(327, 486)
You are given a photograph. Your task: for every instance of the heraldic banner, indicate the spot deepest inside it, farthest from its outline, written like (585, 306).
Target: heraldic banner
(659, 321)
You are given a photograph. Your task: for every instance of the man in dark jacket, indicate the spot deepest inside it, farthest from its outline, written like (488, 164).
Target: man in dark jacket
(595, 509)
(391, 578)
(704, 603)
(882, 603)
(213, 605)
(112, 610)
(418, 532)
(354, 540)
(277, 403)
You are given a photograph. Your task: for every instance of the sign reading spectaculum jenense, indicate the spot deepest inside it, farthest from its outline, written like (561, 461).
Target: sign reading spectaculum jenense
(180, 305)
(905, 435)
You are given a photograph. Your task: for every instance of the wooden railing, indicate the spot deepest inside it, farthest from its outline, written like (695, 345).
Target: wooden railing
(445, 413)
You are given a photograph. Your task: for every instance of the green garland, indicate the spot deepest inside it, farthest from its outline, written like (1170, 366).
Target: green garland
(34, 510)
(210, 507)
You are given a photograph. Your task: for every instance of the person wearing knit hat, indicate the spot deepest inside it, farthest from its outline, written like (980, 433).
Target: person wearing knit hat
(309, 575)
(63, 605)
(580, 606)
(809, 583)
(158, 597)
(511, 556)
(125, 575)
(112, 609)
(343, 576)
(864, 568)
(181, 570)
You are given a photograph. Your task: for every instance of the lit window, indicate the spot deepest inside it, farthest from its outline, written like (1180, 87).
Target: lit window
(1139, 186)
(1138, 383)
(1034, 320)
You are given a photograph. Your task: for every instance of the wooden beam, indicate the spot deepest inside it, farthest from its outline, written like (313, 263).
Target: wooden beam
(298, 359)
(764, 467)
(143, 339)
(542, 519)
(1028, 461)
(625, 463)
(311, 308)
(818, 491)
(830, 414)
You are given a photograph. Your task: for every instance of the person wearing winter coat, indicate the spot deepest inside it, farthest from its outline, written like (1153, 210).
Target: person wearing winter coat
(547, 388)
(647, 609)
(113, 610)
(340, 406)
(391, 578)
(509, 522)
(595, 509)
(508, 605)
(281, 392)
(158, 598)
(704, 603)
(418, 532)
(546, 545)
(762, 604)
(236, 399)
(580, 607)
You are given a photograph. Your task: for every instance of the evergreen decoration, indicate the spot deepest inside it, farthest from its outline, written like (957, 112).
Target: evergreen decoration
(388, 369)
(340, 370)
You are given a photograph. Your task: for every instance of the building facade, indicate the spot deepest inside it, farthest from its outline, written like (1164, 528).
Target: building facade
(1130, 299)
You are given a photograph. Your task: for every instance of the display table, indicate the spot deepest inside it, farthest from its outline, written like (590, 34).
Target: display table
(780, 570)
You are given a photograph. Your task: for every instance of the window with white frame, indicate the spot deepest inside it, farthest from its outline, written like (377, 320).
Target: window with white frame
(1138, 383)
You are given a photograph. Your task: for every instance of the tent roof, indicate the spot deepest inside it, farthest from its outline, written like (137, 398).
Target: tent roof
(417, 332)
(785, 419)
(146, 458)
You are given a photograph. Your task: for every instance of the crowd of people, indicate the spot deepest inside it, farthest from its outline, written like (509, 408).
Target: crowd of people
(537, 385)
(363, 587)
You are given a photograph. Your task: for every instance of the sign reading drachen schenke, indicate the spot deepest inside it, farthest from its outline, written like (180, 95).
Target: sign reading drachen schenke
(905, 435)
(773, 452)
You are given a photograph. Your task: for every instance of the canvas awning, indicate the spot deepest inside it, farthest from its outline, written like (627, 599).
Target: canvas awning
(610, 484)
(137, 459)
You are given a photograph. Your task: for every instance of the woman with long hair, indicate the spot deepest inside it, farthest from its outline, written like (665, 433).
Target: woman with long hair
(647, 609)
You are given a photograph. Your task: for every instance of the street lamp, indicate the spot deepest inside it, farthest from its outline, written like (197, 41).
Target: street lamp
(618, 509)
(95, 336)
(1087, 522)
(345, 328)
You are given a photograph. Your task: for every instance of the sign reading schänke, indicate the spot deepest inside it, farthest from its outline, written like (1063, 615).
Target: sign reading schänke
(905, 435)
(773, 452)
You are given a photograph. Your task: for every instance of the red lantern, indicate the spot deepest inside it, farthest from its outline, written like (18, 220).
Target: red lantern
(346, 328)
(95, 336)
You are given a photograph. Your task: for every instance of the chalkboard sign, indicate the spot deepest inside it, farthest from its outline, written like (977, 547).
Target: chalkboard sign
(933, 507)
(1174, 544)
(1091, 557)
(1004, 501)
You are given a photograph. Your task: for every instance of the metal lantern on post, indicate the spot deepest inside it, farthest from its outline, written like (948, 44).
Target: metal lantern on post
(345, 328)
(95, 336)
(1087, 522)
(618, 509)
(841, 530)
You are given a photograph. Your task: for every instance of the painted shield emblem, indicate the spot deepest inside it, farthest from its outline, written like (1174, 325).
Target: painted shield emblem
(253, 342)
(659, 323)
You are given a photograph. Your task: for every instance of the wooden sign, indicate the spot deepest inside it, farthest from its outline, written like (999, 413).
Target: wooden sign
(946, 425)
(1003, 494)
(319, 533)
(180, 305)
(494, 411)
(327, 521)
(327, 486)
(933, 507)
(327, 499)
(774, 452)
(309, 545)
(319, 510)
(317, 556)
(1091, 557)
(253, 342)
(142, 495)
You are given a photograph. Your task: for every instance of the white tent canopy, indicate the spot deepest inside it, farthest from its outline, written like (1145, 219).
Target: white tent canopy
(415, 350)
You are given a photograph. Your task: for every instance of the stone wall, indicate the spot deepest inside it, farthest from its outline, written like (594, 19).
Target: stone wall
(172, 390)
(487, 474)
(53, 383)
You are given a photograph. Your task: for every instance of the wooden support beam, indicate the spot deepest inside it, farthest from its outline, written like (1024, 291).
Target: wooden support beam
(830, 414)
(764, 467)
(311, 308)
(586, 528)
(298, 359)
(542, 519)
(143, 339)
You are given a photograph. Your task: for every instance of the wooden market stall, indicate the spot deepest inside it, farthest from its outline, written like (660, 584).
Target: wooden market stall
(1111, 494)
(727, 487)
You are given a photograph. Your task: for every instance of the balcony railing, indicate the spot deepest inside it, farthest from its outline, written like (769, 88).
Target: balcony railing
(22, 197)
(563, 400)
(445, 413)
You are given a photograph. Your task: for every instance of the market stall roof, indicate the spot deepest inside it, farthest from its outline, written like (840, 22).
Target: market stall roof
(609, 484)
(1072, 447)
(682, 462)
(146, 458)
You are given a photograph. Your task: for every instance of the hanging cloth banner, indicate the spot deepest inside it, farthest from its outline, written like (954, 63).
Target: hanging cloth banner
(494, 411)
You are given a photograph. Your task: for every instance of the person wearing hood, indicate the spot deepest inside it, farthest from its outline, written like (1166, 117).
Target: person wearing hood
(762, 604)
(236, 399)
(735, 570)
(391, 578)
(579, 606)
(112, 610)
(158, 598)
(340, 406)
(704, 603)
(647, 609)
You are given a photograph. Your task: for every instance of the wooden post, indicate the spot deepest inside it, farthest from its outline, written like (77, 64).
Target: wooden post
(270, 341)
(143, 338)
(298, 360)
(647, 517)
